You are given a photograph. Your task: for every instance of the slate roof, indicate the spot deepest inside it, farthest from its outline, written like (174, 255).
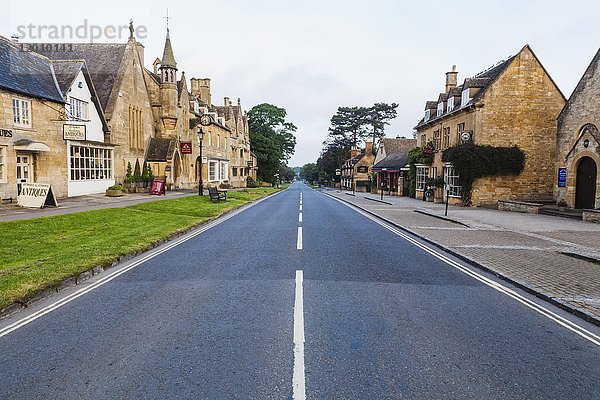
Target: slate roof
(160, 150)
(430, 105)
(27, 73)
(396, 151)
(482, 80)
(66, 71)
(103, 61)
(168, 59)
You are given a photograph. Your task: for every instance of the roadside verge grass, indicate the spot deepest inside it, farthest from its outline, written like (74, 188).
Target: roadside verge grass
(40, 253)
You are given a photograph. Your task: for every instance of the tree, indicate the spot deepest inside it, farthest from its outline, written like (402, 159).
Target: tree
(271, 137)
(378, 116)
(309, 172)
(145, 177)
(348, 126)
(129, 173)
(286, 173)
(137, 172)
(332, 157)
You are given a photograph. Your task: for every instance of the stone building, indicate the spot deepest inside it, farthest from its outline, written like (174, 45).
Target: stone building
(515, 102)
(391, 165)
(577, 179)
(356, 171)
(118, 74)
(52, 125)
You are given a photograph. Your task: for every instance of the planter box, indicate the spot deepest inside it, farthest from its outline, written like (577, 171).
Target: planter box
(114, 193)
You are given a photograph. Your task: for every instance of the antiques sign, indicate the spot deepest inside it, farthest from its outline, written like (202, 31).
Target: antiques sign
(36, 195)
(5, 133)
(362, 169)
(186, 147)
(73, 132)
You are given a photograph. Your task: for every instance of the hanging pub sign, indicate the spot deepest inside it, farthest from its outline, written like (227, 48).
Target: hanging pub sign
(185, 147)
(158, 186)
(562, 177)
(362, 169)
(73, 132)
(36, 195)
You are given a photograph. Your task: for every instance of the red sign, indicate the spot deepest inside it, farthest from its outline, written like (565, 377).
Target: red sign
(186, 147)
(158, 186)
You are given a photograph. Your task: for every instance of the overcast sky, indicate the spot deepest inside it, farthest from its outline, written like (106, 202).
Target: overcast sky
(311, 56)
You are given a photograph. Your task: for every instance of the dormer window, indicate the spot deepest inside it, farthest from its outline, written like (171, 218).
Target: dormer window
(440, 109)
(450, 104)
(465, 98)
(427, 115)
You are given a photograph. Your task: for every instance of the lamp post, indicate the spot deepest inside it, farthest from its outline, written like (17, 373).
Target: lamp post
(200, 183)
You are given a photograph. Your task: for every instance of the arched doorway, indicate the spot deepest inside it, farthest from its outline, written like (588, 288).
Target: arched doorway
(585, 186)
(177, 170)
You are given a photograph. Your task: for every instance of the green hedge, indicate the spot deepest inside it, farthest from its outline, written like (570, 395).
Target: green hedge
(473, 161)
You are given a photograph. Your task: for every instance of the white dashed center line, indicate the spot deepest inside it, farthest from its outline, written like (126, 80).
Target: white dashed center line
(298, 380)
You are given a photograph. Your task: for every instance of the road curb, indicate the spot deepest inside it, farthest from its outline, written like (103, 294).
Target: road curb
(379, 201)
(529, 289)
(442, 218)
(80, 278)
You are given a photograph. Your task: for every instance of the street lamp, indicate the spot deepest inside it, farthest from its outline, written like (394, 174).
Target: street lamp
(200, 183)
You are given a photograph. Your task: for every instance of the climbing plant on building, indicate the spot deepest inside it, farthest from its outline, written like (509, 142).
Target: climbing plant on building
(417, 156)
(472, 161)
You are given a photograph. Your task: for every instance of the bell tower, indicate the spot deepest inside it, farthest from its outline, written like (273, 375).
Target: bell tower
(168, 89)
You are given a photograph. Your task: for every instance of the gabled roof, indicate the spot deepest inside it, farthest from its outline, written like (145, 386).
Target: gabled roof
(455, 91)
(396, 151)
(103, 61)
(442, 97)
(66, 71)
(27, 73)
(482, 80)
(160, 150)
(430, 105)
(593, 68)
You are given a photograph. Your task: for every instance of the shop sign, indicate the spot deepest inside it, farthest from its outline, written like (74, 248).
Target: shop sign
(36, 195)
(6, 133)
(158, 186)
(362, 169)
(186, 147)
(562, 177)
(73, 132)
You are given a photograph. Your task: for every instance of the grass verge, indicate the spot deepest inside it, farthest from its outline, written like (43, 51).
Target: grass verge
(40, 253)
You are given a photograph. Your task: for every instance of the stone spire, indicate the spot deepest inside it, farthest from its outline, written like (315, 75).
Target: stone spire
(168, 59)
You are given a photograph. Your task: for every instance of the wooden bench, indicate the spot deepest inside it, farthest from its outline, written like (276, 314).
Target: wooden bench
(216, 195)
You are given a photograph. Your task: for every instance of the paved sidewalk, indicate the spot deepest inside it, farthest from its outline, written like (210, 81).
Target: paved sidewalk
(11, 212)
(551, 256)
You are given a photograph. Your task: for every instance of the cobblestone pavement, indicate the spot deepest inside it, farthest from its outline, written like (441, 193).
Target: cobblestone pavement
(549, 255)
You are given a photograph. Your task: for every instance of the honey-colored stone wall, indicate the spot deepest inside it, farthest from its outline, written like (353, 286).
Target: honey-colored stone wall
(520, 109)
(46, 126)
(583, 108)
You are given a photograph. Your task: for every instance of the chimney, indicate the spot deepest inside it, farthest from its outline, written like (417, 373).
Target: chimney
(226, 101)
(201, 88)
(353, 152)
(451, 78)
(368, 148)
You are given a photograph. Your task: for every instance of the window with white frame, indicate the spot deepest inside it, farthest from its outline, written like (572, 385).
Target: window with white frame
(2, 163)
(422, 173)
(224, 171)
(427, 114)
(21, 112)
(90, 163)
(440, 109)
(465, 98)
(212, 170)
(451, 180)
(450, 104)
(79, 109)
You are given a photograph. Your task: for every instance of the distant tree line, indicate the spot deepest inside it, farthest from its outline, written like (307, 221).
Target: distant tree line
(350, 126)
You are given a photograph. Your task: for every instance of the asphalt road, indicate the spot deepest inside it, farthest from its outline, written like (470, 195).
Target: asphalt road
(216, 317)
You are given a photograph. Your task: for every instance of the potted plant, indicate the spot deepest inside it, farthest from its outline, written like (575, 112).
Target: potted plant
(128, 182)
(137, 175)
(562, 205)
(438, 183)
(429, 186)
(116, 190)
